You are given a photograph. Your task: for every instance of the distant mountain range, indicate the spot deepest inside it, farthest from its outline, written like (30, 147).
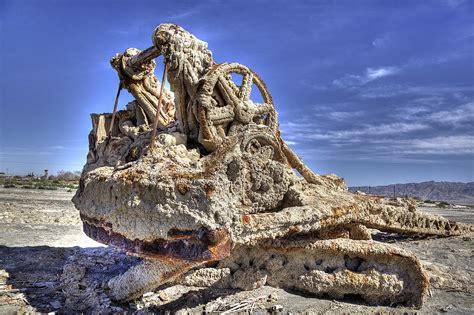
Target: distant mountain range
(453, 192)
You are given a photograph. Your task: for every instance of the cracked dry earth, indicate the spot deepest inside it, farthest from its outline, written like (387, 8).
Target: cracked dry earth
(47, 264)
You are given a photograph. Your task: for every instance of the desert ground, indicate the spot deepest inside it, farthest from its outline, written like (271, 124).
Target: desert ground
(48, 265)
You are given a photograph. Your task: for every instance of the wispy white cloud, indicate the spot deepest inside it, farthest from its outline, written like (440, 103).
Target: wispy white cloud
(410, 113)
(371, 130)
(455, 117)
(353, 135)
(392, 90)
(415, 133)
(33, 151)
(130, 28)
(430, 100)
(181, 15)
(24, 152)
(375, 73)
(419, 150)
(412, 65)
(454, 4)
(142, 25)
(382, 40)
(370, 74)
(458, 144)
(414, 110)
(311, 85)
(464, 113)
(344, 116)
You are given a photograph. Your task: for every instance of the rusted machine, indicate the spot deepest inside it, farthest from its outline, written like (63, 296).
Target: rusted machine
(217, 201)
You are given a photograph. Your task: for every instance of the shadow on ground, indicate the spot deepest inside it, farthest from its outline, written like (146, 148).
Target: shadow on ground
(57, 278)
(71, 280)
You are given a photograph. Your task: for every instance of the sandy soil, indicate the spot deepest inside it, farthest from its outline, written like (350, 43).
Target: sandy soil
(47, 264)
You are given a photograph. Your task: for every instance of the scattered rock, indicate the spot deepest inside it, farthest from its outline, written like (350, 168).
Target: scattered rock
(276, 308)
(273, 297)
(56, 304)
(447, 308)
(164, 296)
(44, 284)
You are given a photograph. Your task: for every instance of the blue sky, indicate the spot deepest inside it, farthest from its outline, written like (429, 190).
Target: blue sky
(375, 91)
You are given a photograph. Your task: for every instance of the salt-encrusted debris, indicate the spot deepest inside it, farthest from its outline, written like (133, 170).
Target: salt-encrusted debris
(220, 186)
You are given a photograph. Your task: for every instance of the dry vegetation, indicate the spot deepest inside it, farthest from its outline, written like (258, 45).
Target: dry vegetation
(64, 179)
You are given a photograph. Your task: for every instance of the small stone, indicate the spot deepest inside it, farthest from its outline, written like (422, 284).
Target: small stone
(447, 308)
(273, 297)
(193, 298)
(164, 296)
(55, 304)
(45, 284)
(276, 308)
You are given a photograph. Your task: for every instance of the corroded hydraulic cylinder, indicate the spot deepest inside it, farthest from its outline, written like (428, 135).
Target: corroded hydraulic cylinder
(145, 56)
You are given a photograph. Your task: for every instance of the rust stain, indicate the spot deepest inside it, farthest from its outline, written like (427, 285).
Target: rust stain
(176, 234)
(294, 229)
(341, 211)
(182, 245)
(210, 189)
(182, 188)
(214, 237)
(102, 178)
(132, 176)
(338, 211)
(246, 219)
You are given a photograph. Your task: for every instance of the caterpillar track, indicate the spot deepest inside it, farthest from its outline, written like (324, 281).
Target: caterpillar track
(379, 273)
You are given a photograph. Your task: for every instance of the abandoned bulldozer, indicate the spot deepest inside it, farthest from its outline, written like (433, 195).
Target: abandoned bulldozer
(215, 200)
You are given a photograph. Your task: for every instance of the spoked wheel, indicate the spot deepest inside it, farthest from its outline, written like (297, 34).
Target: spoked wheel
(224, 106)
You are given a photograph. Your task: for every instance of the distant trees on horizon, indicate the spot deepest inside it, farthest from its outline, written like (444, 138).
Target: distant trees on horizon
(66, 176)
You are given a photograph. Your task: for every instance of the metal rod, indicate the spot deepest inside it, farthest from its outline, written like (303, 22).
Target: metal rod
(144, 56)
(115, 109)
(158, 106)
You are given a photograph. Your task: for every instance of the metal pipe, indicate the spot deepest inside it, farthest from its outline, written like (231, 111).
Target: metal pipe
(158, 106)
(144, 56)
(115, 109)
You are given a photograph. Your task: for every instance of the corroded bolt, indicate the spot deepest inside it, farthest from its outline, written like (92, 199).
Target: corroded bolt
(214, 237)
